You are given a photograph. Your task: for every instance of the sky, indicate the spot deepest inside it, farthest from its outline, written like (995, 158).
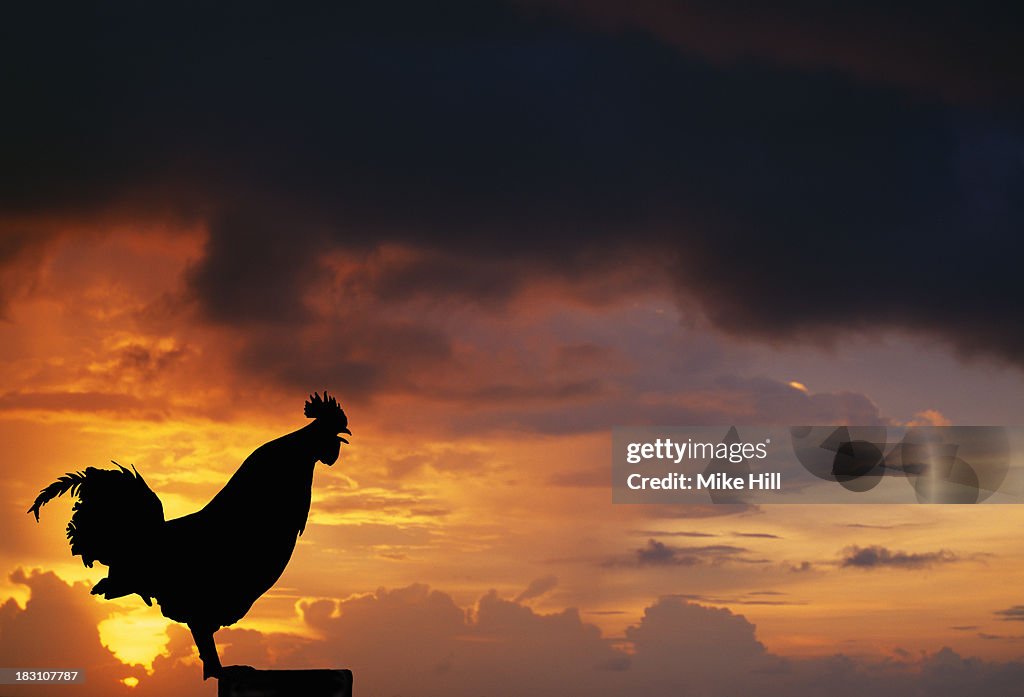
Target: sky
(495, 231)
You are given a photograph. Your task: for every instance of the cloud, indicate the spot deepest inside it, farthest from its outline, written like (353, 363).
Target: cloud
(999, 637)
(875, 557)
(734, 399)
(57, 628)
(537, 588)
(363, 350)
(23, 250)
(415, 640)
(795, 406)
(670, 533)
(657, 553)
(1011, 614)
(177, 670)
(929, 417)
(681, 645)
(515, 150)
(833, 37)
(947, 673)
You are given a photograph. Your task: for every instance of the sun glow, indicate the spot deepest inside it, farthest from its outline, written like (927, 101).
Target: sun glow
(136, 636)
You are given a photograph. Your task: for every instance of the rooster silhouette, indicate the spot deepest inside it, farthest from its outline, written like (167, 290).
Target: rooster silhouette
(205, 569)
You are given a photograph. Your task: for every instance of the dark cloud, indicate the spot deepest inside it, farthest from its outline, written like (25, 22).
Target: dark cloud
(146, 360)
(656, 553)
(1011, 614)
(397, 641)
(753, 598)
(750, 400)
(23, 249)
(659, 554)
(256, 269)
(772, 397)
(365, 353)
(496, 147)
(176, 671)
(720, 648)
(492, 650)
(906, 44)
(668, 533)
(58, 623)
(537, 588)
(875, 557)
(999, 637)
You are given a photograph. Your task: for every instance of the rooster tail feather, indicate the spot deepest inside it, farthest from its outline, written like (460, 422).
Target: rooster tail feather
(115, 515)
(70, 481)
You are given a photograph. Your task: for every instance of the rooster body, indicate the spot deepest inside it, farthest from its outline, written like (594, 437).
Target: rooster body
(205, 569)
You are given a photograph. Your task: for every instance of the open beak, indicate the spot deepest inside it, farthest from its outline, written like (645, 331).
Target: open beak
(344, 430)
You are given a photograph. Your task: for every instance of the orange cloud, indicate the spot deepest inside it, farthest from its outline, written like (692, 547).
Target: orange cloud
(415, 640)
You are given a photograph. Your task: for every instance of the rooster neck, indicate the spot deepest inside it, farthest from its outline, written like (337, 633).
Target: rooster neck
(277, 475)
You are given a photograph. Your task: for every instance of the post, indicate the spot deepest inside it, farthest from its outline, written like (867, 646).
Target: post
(243, 681)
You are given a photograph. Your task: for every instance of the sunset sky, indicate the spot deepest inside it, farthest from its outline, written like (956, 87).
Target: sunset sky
(494, 232)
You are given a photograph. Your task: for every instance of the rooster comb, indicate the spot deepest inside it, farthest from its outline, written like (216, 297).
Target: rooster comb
(325, 408)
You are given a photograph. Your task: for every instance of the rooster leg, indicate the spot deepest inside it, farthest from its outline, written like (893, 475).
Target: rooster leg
(207, 651)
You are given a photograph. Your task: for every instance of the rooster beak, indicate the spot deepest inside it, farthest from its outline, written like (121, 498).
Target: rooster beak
(344, 430)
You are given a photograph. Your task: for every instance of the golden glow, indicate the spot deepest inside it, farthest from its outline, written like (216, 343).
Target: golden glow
(90, 377)
(136, 636)
(929, 417)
